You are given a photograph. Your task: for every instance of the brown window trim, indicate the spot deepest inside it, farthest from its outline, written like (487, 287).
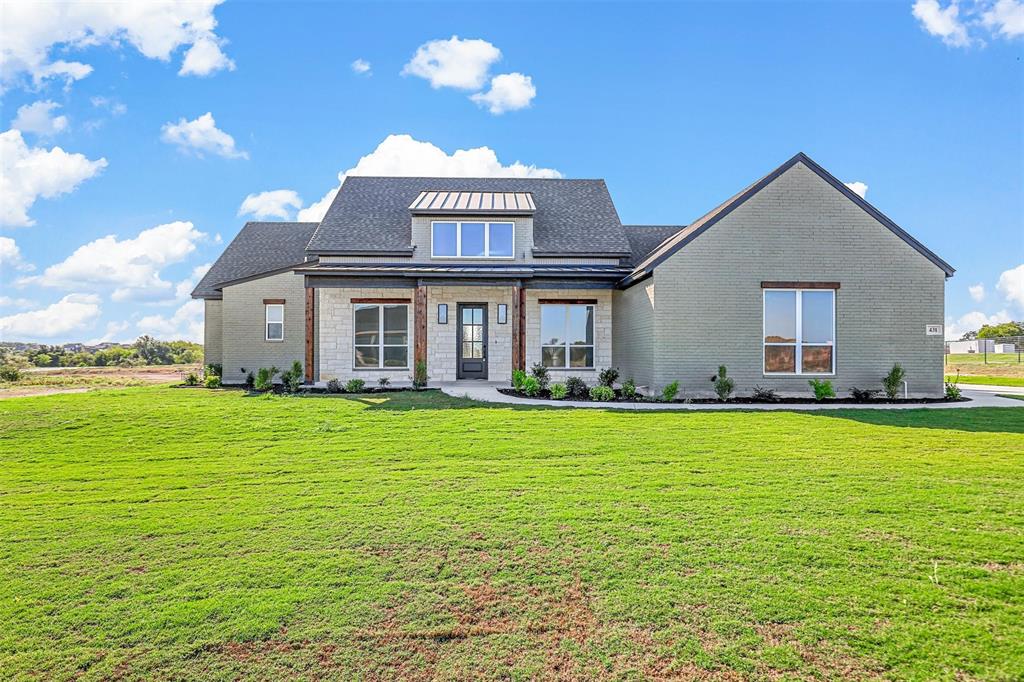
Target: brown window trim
(799, 285)
(567, 301)
(273, 301)
(381, 300)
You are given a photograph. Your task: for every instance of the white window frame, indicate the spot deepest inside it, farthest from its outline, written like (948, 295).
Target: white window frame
(380, 334)
(799, 343)
(487, 238)
(566, 345)
(267, 322)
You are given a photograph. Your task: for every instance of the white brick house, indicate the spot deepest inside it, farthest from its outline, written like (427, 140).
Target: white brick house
(795, 277)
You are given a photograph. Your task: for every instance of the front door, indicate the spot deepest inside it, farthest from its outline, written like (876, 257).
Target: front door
(472, 341)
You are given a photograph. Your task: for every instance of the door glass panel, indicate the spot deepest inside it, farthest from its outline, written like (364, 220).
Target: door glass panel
(478, 315)
(367, 325)
(552, 324)
(467, 316)
(445, 237)
(780, 316)
(816, 311)
(780, 359)
(472, 239)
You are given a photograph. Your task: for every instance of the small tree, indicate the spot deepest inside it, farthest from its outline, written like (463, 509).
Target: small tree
(419, 375)
(540, 373)
(723, 384)
(608, 377)
(893, 380)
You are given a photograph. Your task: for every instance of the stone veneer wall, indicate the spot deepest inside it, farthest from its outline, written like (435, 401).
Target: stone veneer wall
(335, 353)
(441, 338)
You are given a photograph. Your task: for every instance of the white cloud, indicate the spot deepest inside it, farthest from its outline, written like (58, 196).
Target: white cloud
(944, 23)
(184, 288)
(205, 57)
(858, 188)
(361, 66)
(1011, 285)
(36, 118)
(403, 155)
(115, 332)
(8, 302)
(453, 63)
(201, 135)
(31, 31)
(278, 203)
(1006, 17)
(185, 324)
(27, 173)
(509, 91)
(972, 322)
(977, 291)
(10, 257)
(74, 312)
(115, 107)
(132, 267)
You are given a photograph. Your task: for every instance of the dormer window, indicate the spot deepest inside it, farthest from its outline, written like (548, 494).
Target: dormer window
(472, 239)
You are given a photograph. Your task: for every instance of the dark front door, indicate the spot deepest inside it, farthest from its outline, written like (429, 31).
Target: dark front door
(472, 341)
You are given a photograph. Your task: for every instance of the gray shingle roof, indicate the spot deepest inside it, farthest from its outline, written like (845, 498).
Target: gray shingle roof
(372, 214)
(259, 248)
(645, 238)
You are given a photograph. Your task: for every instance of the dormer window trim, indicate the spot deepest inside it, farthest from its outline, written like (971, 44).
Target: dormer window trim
(487, 239)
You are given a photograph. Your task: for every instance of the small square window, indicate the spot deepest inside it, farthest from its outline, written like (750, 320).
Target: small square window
(442, 313)
(502, 313)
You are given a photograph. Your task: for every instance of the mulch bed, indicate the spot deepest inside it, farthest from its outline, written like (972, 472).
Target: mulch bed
(545, 395)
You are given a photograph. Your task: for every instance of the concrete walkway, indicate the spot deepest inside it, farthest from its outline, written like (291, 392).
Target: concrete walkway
(487, 392)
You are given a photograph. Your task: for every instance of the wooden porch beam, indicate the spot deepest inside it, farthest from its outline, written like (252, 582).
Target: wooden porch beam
(420, 326)
(310, 312)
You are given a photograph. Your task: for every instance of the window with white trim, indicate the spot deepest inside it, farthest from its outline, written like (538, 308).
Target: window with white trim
(799, 331)
(472, 239)
(275, 322)
(567, 335)
(381, 336)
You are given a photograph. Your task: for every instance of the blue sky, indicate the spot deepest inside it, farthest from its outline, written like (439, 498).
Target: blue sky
(677, 106)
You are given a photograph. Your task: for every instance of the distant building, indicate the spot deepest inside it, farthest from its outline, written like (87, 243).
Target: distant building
(975, 346)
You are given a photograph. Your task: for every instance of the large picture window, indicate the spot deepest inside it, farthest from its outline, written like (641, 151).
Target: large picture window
(381, 336)
(567, 335)
(799, 331)
(275, 322)
(472, 240)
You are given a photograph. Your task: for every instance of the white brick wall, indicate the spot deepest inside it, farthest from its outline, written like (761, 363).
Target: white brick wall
(633, 332)
(799, 228)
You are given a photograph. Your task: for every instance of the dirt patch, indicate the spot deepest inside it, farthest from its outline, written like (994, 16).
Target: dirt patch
(29, 391)
(55, 380)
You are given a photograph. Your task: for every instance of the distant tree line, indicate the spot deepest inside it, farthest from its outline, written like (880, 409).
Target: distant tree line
(145, 351)
(996, 331)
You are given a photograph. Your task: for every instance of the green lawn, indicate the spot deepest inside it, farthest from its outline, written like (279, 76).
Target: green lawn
(986, 380)
(1000, 369)
(157, 533)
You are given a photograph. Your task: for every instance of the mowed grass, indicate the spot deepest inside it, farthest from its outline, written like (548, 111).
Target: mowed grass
(157, 533)
(1000, 369)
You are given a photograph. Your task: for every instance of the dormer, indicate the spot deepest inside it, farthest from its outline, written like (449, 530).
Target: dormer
(473, 225)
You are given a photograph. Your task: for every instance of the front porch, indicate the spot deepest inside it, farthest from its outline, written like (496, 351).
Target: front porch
(462, 330)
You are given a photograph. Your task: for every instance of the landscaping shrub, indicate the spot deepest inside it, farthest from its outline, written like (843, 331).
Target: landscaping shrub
(893, 381)
(723, 384)
(540, 373)
(763, 394)
(354, 386)
(250, 380)
(10, 373)
(292, 379)
(531, 386)
(518, 377)
(213, 381)
(214, 369)
(669, 393)
(863, 395)
(191, 379)
(822, 389)
(576, 388)
(558, 391)
(419, 375)
(383, 382)
(953, 388)
(265, 378)
(334, 386)
(608, 377)
(602, 394)
(629, 389)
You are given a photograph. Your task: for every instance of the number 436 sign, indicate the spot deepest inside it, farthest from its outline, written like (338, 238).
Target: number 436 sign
(933, 329)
